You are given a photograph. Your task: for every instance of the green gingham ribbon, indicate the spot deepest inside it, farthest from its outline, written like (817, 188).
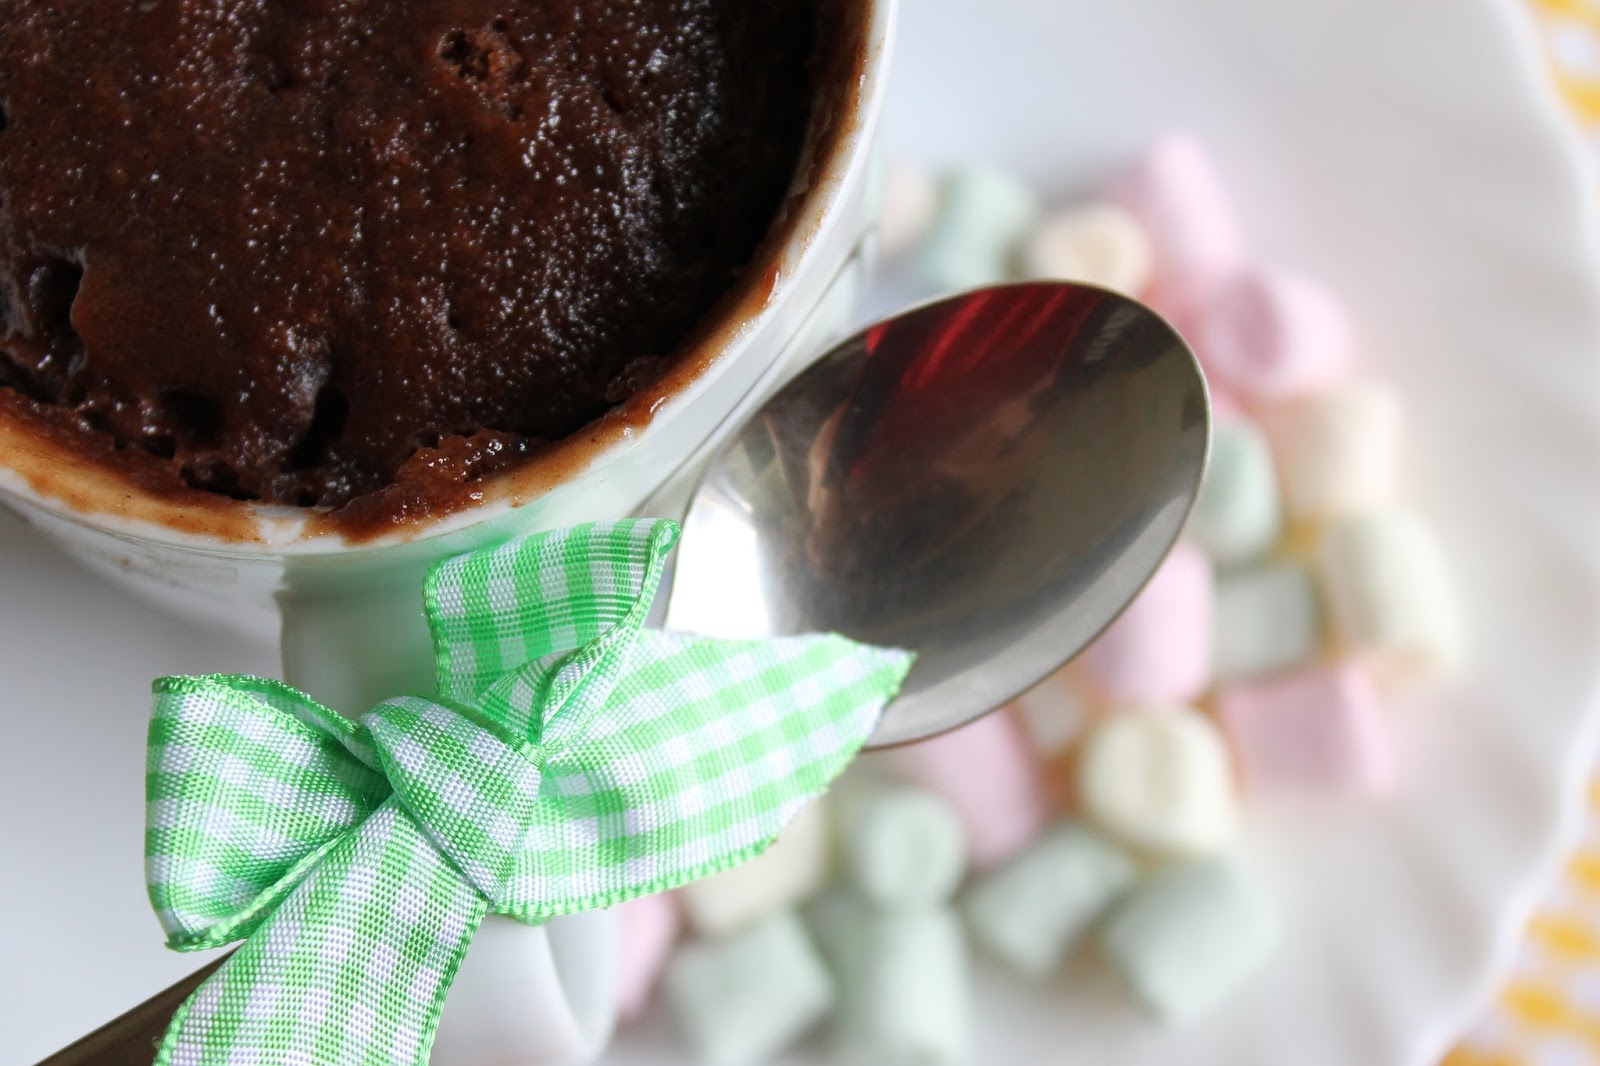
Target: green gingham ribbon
(573, 759)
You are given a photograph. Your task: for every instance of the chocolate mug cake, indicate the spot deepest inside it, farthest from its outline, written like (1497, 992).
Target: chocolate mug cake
(313, 252)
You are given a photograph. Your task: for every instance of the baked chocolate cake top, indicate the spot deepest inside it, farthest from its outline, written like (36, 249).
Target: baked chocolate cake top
(301, 250)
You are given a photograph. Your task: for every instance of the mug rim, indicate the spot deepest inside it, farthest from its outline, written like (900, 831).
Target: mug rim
(68, 487)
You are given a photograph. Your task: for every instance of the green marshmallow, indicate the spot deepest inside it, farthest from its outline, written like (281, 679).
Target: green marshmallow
(836, 918)
(905, 995)
(1031, 912)
(1239, 513)
(742, 1000)
(983, 215)
(1190, 936)
(903, 846)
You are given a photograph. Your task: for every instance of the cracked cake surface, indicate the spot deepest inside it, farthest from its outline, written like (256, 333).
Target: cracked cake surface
(303, 251)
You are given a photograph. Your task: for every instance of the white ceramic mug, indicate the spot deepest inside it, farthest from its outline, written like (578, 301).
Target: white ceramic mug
(349, 615)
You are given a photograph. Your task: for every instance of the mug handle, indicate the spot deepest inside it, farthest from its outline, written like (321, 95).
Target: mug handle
(525, 995)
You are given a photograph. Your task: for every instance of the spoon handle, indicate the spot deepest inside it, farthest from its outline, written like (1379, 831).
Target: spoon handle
(131, 1038)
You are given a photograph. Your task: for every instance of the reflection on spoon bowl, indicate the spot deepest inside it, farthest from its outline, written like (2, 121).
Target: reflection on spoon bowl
(987, 480)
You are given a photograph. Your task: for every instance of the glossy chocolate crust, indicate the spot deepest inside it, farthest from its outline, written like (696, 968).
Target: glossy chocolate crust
(304, 252)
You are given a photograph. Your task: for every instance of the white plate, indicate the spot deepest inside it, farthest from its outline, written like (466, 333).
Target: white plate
(1409, 153)
(1412, 155)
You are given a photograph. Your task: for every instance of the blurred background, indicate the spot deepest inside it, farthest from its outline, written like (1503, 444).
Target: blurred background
(1428, 166)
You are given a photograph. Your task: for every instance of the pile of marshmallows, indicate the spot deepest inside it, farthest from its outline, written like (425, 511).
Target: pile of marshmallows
(1103, 804)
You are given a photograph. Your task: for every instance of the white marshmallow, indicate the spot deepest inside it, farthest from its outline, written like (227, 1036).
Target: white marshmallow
(910, 199)
(1340, 450)
(1159, 779)
(791, 869)
(1268, 619)
(1098, 242)
(1390, 593)
(1238, 515)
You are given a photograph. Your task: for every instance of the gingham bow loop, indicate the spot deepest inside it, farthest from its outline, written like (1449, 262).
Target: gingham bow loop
(573, 759)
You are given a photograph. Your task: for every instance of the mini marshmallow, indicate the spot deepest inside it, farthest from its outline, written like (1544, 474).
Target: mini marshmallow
(1238, 515)
(1272, 336)
(1159, 649)
(649, 928)
(1225, 407)
(1098, 243)
(907, 999)
(836, 917)
(1032, 911)
(1267, 620)
(1190, 936)
(742, 1000)
(1053, 714)
(1320, 728)
(1159, 778)
(989, 777)
(982, 215)
(791, 869)
(1340, 450)
(903, 846)
(1390, 593)
(910, 200)
(1175, 193)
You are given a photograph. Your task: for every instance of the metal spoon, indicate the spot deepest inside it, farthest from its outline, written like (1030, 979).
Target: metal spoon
(986, 480)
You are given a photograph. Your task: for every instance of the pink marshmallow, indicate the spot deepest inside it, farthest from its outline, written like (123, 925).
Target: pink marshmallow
(649, 928)
(1271, 336)
(988, 775)
(1224, 405)
(1320, 728)
(1159, 650)
(1175, 192)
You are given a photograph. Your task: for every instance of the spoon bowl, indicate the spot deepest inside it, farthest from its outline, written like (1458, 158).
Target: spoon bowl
(987, 480)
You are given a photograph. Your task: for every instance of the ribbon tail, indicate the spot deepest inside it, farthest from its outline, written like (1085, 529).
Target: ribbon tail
(352, 968)
(705, 751)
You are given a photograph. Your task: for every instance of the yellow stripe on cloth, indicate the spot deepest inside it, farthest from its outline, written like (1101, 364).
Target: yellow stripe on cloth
(1583, 12)
(1572, 31)
(1583, 96)
(1549, 1012)
(1567, 937)
(1544, 1006)
(1464, 1056)
(1583, 872)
